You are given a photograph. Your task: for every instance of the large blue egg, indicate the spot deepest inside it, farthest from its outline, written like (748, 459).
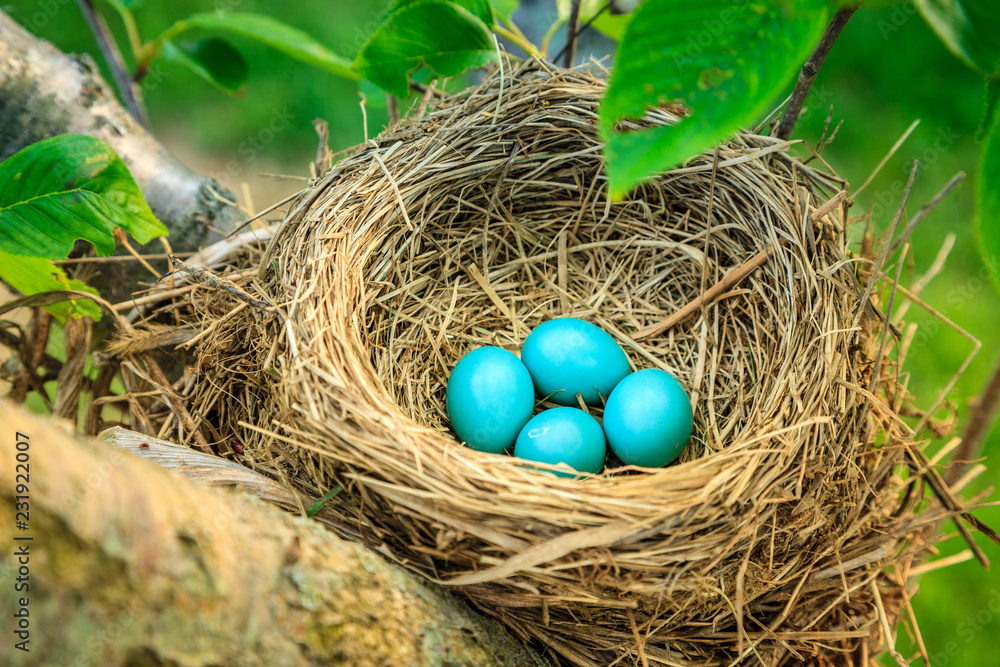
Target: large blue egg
(648, 419)
(489, 398)
(563, 435)
(568, 356)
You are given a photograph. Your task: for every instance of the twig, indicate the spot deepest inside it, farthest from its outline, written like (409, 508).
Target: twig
(571, 34)
(925, 209)
(122, 238)
(393, 108)
(584, 28)
(809, 71)
(114, 259)
(981, 419)
(109, 49)
(710, 294)
(267, 210)
(213, 280)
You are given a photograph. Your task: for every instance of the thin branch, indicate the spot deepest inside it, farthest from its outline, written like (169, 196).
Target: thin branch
(209, 278)
(109, 49)
(571, 34)
(585, 27)
(982, 417)
(809, 71)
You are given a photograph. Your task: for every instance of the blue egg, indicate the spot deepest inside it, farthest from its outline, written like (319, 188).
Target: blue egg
(568, 356)
(563, 435)
(648, 419)
(489, 399)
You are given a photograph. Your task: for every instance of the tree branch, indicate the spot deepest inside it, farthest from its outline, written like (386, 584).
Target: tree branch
(44, 92)
(809, 71)
(571, 34)
(132, 564)
(109, 49)
(607, 5)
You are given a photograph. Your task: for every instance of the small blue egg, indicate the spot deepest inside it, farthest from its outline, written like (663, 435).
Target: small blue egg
(567, 356)
(489, 398)
(648, 419)
(563, 435)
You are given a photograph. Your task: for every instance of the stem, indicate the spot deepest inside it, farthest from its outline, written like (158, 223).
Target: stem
(571, 34)
(109, 49)
(519, 39)
(984, 414)
(583, 29)
(135, 43)
(809, 71)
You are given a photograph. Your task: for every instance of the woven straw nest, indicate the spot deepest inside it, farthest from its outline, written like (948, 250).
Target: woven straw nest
(767, 543)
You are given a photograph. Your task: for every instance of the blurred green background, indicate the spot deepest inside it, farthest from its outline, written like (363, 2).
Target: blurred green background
(887, 71)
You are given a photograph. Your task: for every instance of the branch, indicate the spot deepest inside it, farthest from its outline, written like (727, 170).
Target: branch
(112, 56)
(809, 71)
(571, 34)
(44, 92)
(607, 5)
(981, 419)
(168, 572)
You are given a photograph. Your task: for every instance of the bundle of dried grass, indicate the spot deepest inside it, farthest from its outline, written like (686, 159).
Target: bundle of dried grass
(484, 215)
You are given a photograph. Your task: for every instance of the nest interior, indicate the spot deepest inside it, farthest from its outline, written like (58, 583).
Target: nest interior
(485, 214)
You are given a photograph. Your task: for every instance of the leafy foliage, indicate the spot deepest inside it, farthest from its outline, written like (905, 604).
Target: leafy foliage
(213, 59)
(481, 9)
(504, 8)
(969, 28)
(266, 30)
(446, 36)
(726, 62)
(34, 275)
(55, 192)
(67, 188)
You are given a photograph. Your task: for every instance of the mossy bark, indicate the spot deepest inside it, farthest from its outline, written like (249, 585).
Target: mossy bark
(132, 565)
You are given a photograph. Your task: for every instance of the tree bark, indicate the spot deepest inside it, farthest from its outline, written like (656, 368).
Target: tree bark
(129, 564)
(44, 92)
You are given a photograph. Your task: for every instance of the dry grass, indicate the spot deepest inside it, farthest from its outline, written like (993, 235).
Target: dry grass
(782, 537)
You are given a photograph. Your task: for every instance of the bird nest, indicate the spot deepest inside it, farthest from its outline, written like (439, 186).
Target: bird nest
(775, 537)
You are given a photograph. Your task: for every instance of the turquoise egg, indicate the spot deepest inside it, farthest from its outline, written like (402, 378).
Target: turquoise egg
(567, 356)
(648, 419)
(489, 398)
(563, 435)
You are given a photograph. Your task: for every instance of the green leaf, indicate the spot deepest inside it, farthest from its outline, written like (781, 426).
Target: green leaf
(271, 32)
(318, 505)
(612, 25)
(969, 28)
(447, 37)
(505, 8)
(213, 59)
(66, 188)
(991, 95)
(988, 202)
(478, 8)
(33, 275)
(726, 62)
